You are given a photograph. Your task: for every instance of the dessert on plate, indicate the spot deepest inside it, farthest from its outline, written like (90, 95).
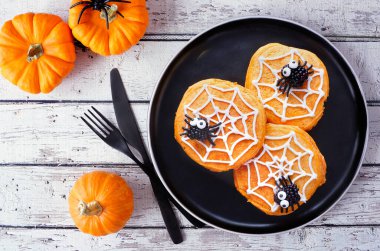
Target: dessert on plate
(285, 174)
(220, 124)
(292, 83)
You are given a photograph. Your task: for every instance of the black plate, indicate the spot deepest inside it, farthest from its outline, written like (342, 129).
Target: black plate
(224, 52)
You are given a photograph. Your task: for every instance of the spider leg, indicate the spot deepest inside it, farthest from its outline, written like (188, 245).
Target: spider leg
(304, 63)
(82, 11)
(284, 87)
(107, 20)
(310, 72)
(116, 1)
(187, 116)
(288, 91)
(118, 12)
(187, 122)
(277, 184)
(280, 81)
(79, 3)
(184, 133)
(311, 66)
(281, 209)
(186, 129)
(290, 180)
(216, 125)
(281, 85)
(287, 210)
(210, 140)
(213, 135)
(292, 207)
(282, 180)
(213, 130)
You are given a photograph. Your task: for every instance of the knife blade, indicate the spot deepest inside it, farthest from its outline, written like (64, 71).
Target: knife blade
(125, 117)
(129, 128)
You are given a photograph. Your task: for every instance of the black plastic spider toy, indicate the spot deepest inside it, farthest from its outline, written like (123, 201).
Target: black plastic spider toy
(293, 75)
(199, 129)
(287, 194)
(99, 5)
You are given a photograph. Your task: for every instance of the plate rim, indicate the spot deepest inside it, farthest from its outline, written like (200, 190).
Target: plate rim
(153, 96)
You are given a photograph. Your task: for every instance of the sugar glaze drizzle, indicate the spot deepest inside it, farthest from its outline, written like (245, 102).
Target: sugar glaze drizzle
(228, 122)
(282, 165)
(283, 99)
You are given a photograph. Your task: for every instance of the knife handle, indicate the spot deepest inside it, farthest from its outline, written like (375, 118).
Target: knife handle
(149, 170)
(167, 212)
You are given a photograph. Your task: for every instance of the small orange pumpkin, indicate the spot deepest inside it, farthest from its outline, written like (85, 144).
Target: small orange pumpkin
(122, 27)
(36, 51)
(100, 203)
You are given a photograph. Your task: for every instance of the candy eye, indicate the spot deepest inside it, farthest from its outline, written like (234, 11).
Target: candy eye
(286, 72)
(194, 122)
(293, 64)
(201, 124)
(284, 203)
(281, 195)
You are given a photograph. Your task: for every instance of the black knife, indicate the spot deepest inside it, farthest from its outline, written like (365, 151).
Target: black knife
(134, 139)
(129, 129)
(135, 142)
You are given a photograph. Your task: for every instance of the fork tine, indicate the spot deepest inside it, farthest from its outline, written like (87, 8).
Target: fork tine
(100, 121)
(97, 125)
(92, 128)
(104, 119)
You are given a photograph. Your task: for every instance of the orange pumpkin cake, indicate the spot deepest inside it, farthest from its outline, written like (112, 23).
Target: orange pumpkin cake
(292, 83)
(285, 174)
(220, 124)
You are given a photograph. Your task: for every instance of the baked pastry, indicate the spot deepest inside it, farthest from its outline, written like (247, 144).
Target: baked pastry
(285, 174)
(292, 83)
(220, 124)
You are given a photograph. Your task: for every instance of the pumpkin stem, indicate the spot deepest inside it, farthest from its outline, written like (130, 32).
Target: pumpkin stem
(111, 13)
(90, 209)
(35, 51)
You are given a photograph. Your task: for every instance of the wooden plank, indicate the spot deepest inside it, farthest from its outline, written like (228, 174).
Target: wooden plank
(141, 68)
(37, 196)
(351, 18)
(54, 134)
(320, 238)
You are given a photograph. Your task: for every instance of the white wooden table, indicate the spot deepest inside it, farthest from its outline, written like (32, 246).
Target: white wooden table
(44, 146)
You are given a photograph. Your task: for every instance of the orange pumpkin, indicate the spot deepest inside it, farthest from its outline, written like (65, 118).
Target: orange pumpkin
(122, 27)
(100, 203)
(36, 51)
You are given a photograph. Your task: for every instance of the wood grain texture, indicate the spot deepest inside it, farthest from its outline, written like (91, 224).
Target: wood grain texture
(54, 134)
(45, 147)
(36, 196)
(315, 238)
(141, 68)
(343, 18)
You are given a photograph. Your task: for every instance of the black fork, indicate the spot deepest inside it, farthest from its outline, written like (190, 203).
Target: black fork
(111, 135)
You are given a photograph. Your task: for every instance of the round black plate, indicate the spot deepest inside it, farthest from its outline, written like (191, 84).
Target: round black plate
(224, 52)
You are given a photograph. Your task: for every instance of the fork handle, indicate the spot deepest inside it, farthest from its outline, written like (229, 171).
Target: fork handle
(167, 212)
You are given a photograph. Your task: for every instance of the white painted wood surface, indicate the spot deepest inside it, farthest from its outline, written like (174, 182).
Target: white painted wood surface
(37, 196)
(44, 147)
(141, 68)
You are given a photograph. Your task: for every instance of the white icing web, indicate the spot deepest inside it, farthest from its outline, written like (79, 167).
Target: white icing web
(281, 165)
(228, 119)
(298, 100)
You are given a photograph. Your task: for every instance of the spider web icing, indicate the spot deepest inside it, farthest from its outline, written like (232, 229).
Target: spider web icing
(280, 165)
(298, 100)
(228, 122)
